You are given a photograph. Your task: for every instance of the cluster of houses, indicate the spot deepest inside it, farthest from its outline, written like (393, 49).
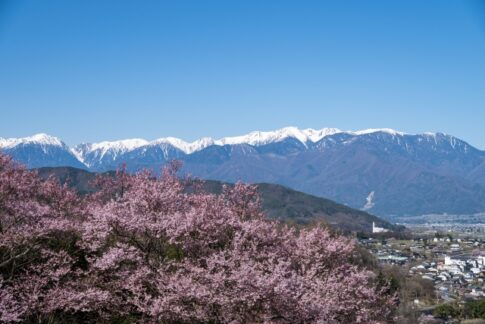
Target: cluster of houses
(455, 277)
(384, 251)
(452, 264)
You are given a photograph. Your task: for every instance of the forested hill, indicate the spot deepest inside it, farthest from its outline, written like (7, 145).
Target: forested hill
(278, 202)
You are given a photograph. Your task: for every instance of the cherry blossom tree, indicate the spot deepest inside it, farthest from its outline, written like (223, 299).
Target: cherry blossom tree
(38, 233)
(144, 249)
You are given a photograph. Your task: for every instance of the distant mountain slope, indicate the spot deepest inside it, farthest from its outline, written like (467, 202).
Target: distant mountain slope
(383, 171)
(278, 202)
(79, 179)
(407, 174)
(283, 203)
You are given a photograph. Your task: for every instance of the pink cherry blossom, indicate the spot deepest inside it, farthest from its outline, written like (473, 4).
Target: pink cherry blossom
(145, 249)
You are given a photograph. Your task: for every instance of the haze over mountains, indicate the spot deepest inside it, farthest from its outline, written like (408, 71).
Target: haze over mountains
(379, 170)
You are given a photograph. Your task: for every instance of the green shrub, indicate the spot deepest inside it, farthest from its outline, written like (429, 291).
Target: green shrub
(446, 311)
(475, 309)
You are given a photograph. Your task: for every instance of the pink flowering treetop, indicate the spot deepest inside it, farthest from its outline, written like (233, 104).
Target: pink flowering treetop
(143, 249)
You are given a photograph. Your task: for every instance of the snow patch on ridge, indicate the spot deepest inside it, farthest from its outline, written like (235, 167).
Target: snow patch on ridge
(370, 201)
(78, 156)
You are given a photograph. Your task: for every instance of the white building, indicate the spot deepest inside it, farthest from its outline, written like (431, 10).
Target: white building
(481, 260)
(376, 229)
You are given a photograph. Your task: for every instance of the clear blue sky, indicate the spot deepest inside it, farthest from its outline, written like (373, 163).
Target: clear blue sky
(91, 70)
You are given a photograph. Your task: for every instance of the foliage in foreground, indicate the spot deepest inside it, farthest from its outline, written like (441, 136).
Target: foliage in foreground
(143, 250)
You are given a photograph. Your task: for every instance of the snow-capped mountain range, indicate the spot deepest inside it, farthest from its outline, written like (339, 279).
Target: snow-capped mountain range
(113, 149)
(256, 138)
(402, 173)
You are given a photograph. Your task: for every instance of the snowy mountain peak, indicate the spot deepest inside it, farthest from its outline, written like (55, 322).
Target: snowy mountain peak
(377, 130)
(258, 138)
(112, 148)
(316, 135)
(175, 142)
(201, 144)
(184, 146)
(41, 139)
(120, 146)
